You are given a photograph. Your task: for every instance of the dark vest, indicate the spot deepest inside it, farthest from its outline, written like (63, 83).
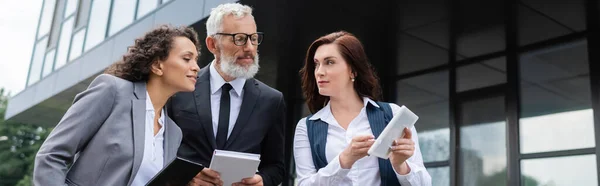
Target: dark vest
(378, 119)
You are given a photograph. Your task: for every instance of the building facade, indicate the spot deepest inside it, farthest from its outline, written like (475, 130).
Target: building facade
(508, 91)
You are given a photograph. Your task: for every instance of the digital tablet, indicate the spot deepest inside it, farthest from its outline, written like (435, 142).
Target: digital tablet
(179, 172)
(403, 119)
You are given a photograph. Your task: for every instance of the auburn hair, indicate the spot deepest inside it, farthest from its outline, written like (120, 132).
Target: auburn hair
(366, 83)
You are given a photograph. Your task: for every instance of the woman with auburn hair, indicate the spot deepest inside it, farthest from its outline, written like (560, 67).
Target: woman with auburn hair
(117, 132)
(330, 145)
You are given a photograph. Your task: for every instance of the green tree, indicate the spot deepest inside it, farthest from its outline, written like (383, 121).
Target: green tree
(18, 146)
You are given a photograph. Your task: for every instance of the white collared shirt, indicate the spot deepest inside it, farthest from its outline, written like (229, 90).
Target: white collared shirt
(236, 96)
(364, 171)
(152, 161)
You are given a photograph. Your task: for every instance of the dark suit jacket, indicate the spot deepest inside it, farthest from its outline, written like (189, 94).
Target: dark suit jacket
(259, 127)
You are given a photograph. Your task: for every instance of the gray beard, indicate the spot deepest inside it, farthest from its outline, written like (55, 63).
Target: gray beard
(229, 67)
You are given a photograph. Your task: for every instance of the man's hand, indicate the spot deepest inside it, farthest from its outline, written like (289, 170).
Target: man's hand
(206, 177)
(254, 181)
(402, 149)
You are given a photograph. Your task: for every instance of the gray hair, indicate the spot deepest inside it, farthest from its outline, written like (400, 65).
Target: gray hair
(214, 24)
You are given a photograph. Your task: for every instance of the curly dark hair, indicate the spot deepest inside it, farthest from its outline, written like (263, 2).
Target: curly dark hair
(153, 46)
(351, 49)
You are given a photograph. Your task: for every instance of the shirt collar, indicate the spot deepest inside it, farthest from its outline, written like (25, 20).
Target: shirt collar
(150, 108)
(325, 112)
(216, 81)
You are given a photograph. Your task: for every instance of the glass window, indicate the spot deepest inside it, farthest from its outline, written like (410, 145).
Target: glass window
(479, 75)
(427, 96)
(483, 142)
(64, 43)
(97, 24)
(440, 176)
(560, 171)
(47, 17)
(77, 44)
(480, 27)
(145, 6)
(71, 7)
(122, 15)
(37, 61)
(556, 110)
(415, 54)
(424, 39)
(534, 27)
(540, 20)
(83, 14)
(49, 62)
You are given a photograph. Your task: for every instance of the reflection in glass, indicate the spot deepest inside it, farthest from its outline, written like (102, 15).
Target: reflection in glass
(414, 54)
(483, 142)
(434, 144)
(569, 14)
(77, 44)
(424, 39)
(557, 131)
(97, 23)
(556, 101)
(481, 28)
(560, 171)
(37, 61)
(48, 63)
(480, 75)
(480, 42)
(145, 6)
(122, 15)
(534, 27)
(440, 176)
(71, 7)
(427, 96)
(64, 43)
(47, 17)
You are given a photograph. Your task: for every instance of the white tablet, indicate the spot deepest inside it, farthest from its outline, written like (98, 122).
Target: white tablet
(404, 119)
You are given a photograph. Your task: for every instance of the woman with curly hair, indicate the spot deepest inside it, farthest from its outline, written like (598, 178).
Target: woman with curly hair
(117, 132)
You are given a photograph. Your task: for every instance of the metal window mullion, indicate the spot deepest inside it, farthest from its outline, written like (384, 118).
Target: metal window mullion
(35, 41)
(109, 20)
(453, 119)
(512, 100)
(136, 9)
(561, 153)
(593, 26)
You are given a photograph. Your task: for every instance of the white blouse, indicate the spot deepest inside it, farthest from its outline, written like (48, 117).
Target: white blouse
(364, 171)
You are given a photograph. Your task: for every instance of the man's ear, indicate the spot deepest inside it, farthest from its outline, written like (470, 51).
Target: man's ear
(157, 67)
(211, 44)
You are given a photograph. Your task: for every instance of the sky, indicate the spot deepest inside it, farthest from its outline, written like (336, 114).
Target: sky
(18, 24)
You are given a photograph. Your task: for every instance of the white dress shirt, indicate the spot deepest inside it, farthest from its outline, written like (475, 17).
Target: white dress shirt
(364, 171)
(152, 161)
(236, 95)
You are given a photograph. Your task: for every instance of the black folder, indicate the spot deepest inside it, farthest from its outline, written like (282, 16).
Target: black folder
(179, 172)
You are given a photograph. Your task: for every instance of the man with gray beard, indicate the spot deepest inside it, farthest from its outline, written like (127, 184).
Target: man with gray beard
(230, 110)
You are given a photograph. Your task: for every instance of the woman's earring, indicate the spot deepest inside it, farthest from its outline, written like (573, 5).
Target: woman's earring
(352, 79)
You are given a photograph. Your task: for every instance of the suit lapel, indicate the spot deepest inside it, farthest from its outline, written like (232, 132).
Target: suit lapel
(202, 98)
(138, 108)
(251, 94)
(169, 144)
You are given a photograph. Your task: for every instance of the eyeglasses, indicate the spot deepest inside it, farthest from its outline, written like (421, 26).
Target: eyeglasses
(240, 39)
